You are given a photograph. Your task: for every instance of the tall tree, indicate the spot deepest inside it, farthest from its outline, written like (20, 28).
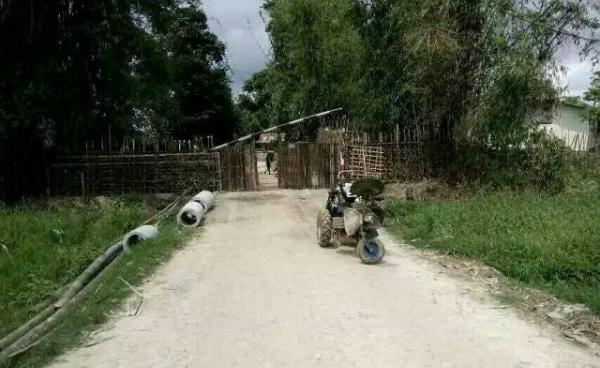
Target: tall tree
(476, 69)
(182, 83)
(253, 104)
(317, 53)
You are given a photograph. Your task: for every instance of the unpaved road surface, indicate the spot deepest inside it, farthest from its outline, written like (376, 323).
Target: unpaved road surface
(254, 290)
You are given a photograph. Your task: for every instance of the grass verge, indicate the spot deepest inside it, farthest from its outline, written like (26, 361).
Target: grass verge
(547, 242)
(47, 248)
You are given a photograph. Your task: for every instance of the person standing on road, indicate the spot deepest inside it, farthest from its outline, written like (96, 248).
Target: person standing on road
(268, 163)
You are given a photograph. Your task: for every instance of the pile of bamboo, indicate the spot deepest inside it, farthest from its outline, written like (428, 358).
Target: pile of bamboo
(34, 330)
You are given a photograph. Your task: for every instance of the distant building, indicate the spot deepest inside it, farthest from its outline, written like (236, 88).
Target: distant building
(267, 140)
(570, 124)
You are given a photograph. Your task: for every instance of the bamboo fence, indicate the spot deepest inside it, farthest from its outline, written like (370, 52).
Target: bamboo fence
(229, 169)
(308, 165)
(133, 145)
(238, 169)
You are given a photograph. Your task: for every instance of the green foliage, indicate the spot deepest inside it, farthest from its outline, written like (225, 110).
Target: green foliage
(316, 58)
(475, 69)
(253, 105)
(477, 74)
(548, 242)
(593, 96)
(573, 101)
(582, 172)
(540, 163)
(43, 249)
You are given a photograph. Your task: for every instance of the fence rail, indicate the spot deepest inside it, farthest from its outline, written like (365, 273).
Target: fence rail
(238, 169)
(132, 145)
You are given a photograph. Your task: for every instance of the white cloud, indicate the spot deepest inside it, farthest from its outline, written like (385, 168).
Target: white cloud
(578, 73)
(238, 24)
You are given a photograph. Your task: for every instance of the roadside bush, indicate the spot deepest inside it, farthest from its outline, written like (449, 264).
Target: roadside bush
(540, 163)
(583, 171)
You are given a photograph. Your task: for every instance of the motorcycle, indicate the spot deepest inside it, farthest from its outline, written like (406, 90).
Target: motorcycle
(351, 218)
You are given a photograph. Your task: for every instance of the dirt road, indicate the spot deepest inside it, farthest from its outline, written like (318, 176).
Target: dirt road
(254, 290)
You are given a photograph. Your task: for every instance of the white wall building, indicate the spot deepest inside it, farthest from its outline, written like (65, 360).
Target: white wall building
(570, 124)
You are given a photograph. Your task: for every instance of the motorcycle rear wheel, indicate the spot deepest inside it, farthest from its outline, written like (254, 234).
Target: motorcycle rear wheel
(324, 229)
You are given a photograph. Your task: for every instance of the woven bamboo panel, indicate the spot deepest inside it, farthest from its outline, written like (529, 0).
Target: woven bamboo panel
(153, 173)
(365, 161)
(404, 162)
(238, 169)
(308, 165)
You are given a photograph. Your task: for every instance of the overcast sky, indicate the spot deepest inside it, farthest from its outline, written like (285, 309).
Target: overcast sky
(577, 78)
(238, 23)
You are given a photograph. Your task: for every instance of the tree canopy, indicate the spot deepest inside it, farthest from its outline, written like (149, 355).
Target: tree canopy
(474, 68)
(74, 70)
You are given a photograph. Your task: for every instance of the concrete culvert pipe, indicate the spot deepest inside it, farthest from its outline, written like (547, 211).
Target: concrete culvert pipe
(140, 234)
(192, 213)
(206, 199)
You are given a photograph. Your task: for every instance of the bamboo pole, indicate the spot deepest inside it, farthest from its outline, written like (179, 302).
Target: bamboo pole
(89, 273)
(25, 328)
(37, 334)
(275, 128)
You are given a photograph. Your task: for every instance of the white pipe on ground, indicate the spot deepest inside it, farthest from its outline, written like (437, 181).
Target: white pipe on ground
(206, 199)
(140, 234)
(192, 213)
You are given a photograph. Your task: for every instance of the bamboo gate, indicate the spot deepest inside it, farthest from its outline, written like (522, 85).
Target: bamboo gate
(316, 165)
(310, 165)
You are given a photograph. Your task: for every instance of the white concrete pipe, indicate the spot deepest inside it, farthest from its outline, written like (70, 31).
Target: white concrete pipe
(192, 213)
(140, 234)
(206, 199)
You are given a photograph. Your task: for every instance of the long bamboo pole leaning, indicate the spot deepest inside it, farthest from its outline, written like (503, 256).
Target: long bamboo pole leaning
(28, 334)
(275, 128)
(40, 331)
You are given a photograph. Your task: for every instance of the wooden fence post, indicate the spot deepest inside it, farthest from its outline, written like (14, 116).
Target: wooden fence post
(219, 175)
(109, 140)
(82, 180)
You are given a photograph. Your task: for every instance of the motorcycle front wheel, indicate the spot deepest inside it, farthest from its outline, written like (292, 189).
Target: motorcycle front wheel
(370, 251)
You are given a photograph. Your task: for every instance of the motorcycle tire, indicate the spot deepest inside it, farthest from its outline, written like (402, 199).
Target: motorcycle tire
(370, 251)
(324, 229)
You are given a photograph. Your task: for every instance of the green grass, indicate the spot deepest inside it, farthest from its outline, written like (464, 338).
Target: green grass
(547, 242)
(47, 248)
